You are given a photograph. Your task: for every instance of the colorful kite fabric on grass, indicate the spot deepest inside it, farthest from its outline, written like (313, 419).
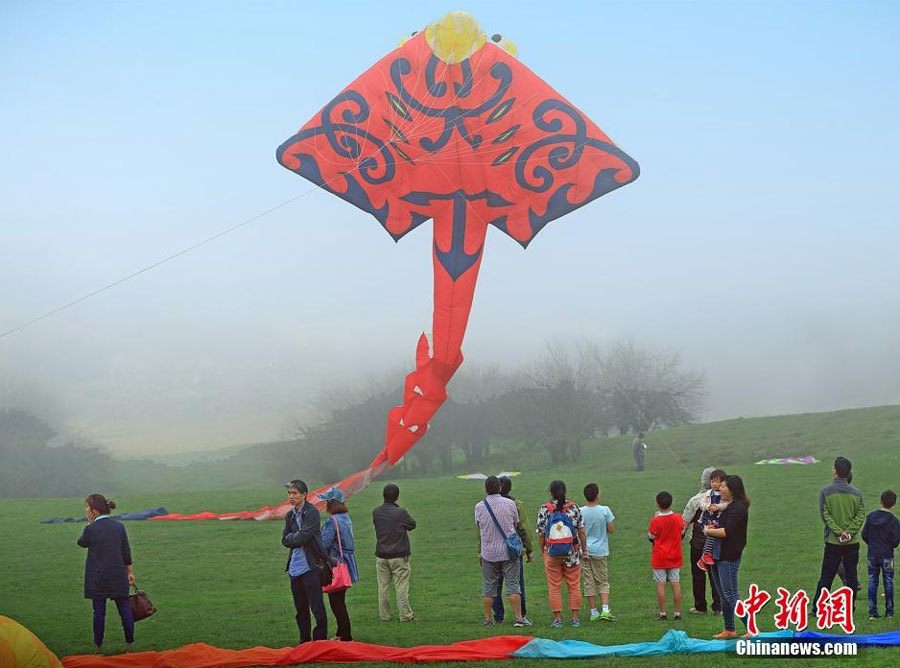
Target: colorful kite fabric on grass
(198, 655)
(497, 648)
(449, 127)
(808, 459)
(136, 515)
(673, 642)
(482, 476)
(20, 648)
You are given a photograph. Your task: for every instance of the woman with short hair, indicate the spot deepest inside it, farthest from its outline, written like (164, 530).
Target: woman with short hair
(337, 538)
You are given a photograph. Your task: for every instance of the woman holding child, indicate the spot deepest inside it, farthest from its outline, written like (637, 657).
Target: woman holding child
(561, 537)
(732, 537)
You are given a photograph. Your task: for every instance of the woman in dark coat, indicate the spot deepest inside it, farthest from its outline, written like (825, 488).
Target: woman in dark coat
(732, 530)
(108, 569)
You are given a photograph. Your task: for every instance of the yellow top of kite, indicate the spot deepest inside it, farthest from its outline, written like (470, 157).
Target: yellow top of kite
(457, 36)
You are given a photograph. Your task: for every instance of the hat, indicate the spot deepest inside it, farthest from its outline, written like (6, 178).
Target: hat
(332, 494)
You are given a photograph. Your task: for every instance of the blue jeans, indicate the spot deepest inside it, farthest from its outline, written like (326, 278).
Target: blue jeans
(725, 577)
(124, 608)
(499, 611)
(886, 568)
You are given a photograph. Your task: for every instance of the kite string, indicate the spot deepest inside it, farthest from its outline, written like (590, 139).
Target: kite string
(423, 128)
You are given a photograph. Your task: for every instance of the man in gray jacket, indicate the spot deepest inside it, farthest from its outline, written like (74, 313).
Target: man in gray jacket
(392, 527)
(691, 515)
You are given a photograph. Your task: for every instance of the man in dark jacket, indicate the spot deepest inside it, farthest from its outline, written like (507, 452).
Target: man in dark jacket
(302, 536)
(881, 533)
(843, 513)
(392, 527)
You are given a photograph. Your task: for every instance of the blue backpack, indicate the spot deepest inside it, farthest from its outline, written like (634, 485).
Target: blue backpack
(559, 533)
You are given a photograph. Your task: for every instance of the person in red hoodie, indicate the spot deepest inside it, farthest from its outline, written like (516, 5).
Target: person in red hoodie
(665, 532)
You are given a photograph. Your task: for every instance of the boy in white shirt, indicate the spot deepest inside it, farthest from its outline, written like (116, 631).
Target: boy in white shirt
(598, 524)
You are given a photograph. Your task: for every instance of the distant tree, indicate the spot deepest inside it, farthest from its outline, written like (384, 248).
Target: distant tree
(560, 404)
(643, 389)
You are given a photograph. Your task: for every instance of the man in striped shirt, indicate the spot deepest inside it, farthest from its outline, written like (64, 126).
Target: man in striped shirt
(493, 555)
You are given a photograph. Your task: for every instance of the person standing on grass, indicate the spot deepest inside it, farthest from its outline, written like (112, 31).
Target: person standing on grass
(665, 532)
(638, 449)
(691, 517)
(337, 539)
(881, 533)
(496, 518)
(108, 569)
(843, 513)
(561, 537)
(527, 550)
(732, 532)
(392, 527)
(303, 537)
(599, 523)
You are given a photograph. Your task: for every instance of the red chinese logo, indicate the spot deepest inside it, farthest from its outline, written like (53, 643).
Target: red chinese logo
(748, 609)
(835, 609)
(791, 609)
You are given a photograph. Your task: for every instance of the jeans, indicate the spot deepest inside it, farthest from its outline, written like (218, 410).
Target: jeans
(725, 575)
(832, 558)
(307, 592)
(698, 580)
(639, 460)
(125, 614)
(499, 611)
(886, 568)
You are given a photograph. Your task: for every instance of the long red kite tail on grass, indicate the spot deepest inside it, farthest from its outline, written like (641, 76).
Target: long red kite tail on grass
(451, 127)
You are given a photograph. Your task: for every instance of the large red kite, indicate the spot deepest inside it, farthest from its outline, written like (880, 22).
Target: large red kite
(451, 127)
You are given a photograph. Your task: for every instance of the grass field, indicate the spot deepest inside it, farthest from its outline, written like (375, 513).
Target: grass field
(223, 583)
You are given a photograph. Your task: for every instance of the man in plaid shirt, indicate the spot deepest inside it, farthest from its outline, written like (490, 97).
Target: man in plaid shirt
(493, 555)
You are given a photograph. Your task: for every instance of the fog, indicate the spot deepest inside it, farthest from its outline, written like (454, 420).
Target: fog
(760, 242)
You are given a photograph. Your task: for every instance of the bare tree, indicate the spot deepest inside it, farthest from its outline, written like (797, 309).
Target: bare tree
(644, 389)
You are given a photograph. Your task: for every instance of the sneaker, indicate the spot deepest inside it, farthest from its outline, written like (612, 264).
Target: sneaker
(575, 623)
(707, 559)
(488, 623)
(662, 617)
(875, 615)
(522, 621)
(725, 635)
(748, 635)
(701, 565)
(607, 616)
(557, 624)
(595, 616)
(694, 611)
(677, 616)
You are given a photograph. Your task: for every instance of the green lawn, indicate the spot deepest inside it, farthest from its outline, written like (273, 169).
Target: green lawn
(223, 583)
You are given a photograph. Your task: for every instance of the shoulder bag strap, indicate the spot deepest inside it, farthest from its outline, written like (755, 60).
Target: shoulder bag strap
(337, 530)
(493, 517)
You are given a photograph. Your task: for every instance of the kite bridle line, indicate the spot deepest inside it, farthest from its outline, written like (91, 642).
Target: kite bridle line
(427, 127)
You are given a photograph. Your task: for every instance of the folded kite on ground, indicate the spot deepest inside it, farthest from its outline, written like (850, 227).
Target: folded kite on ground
(808, 459)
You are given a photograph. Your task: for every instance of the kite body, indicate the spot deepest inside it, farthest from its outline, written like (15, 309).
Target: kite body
(450, 127)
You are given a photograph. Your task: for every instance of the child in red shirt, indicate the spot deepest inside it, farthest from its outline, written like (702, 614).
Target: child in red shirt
(666, 530)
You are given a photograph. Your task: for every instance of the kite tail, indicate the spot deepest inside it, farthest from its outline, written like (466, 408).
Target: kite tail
(424, 391)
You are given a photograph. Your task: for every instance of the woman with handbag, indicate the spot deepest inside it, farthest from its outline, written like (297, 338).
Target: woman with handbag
(337, 537)
(108, 569)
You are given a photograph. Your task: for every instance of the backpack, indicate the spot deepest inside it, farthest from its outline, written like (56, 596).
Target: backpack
(559, 533)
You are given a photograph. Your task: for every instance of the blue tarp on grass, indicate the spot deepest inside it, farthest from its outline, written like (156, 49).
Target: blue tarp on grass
(886, 639)
(137, 515)
(673, 642)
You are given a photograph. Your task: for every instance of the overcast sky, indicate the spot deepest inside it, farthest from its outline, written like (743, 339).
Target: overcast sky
(760, 242)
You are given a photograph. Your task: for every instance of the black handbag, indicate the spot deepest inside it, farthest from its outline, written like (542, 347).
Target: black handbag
(141, 606)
